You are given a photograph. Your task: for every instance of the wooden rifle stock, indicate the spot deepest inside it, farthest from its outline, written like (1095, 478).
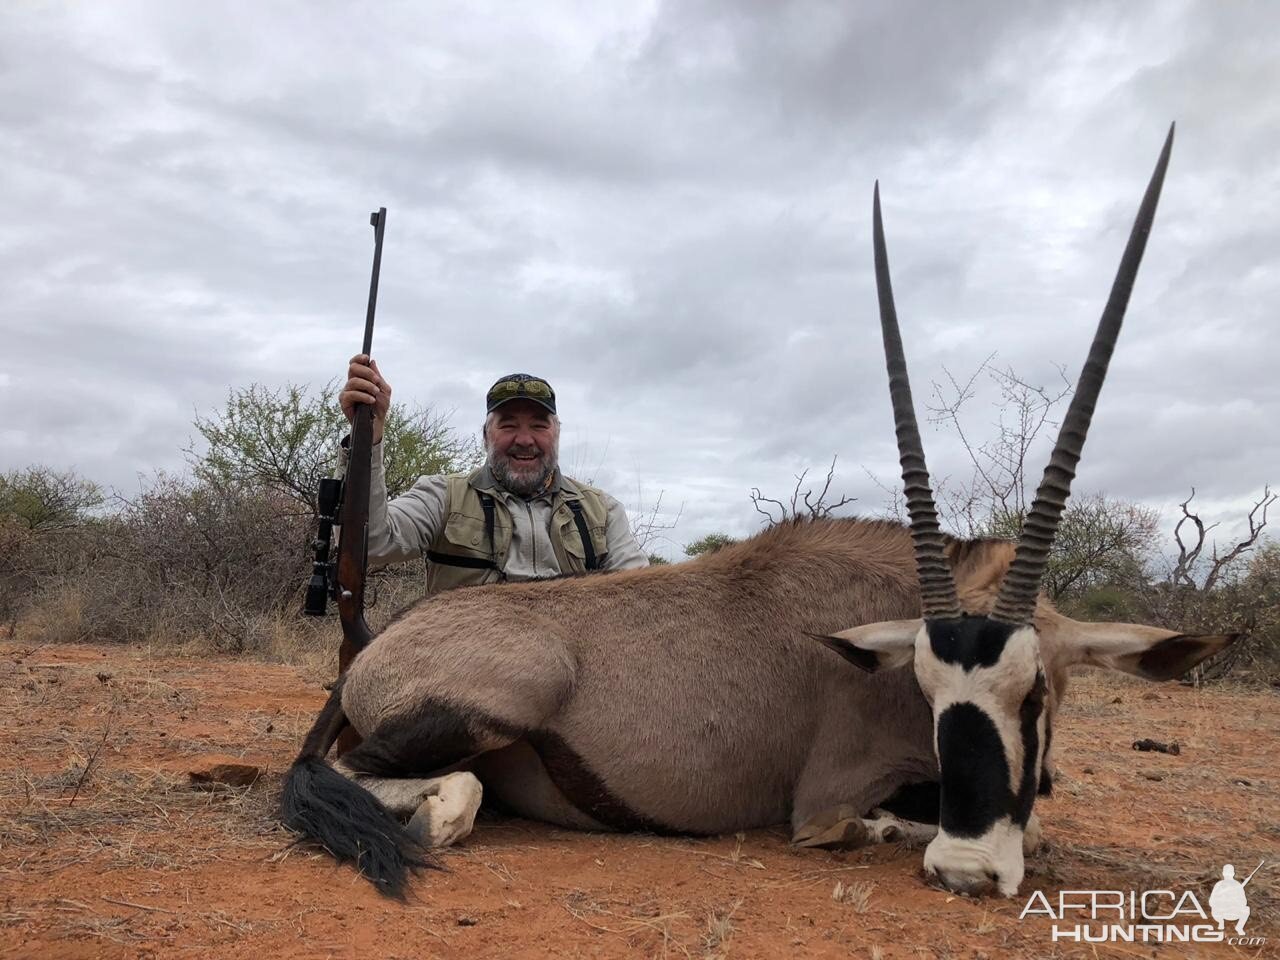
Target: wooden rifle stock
(353, 538)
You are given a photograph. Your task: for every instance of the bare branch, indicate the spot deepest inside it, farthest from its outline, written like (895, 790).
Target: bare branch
(795, 494)
(897, 505)
(1184, 568)
(1181, 572)
(1256, 526)
(758, 498)
(997, 494)
(649, 525)
(813, 508)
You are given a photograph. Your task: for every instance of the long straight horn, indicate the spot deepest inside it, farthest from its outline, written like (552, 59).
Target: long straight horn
(1017, 600)
(937, 589)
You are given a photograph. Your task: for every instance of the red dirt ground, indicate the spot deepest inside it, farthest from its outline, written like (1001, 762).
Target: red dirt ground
(127, 859)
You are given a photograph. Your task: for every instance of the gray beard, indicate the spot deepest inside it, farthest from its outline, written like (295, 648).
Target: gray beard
(524, 485)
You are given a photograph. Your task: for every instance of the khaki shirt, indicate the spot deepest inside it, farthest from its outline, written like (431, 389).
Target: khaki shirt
(404, 528)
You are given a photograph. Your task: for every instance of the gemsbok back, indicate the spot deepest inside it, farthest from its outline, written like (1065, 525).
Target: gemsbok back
(693, 699)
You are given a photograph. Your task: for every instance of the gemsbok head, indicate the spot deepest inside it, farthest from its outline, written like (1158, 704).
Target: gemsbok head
(990, 674)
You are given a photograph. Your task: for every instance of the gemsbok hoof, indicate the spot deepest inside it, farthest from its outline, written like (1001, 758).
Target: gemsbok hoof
(447, 815)
(840, 828)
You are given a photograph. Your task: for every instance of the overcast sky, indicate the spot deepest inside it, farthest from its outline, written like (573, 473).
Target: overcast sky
(663, 208)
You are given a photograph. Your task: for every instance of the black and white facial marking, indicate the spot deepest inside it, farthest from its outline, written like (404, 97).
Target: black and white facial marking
(986, 685)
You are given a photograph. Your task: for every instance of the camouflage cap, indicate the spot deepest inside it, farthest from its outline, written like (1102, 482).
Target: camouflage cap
(520, 386)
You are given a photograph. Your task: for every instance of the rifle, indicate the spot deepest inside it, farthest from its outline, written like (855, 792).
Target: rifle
(346, 502)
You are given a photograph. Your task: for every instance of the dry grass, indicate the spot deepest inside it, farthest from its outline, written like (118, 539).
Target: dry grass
(65, 616)
(57, 616)
(90, 794)
(122, 819)
(986, 925)
(856, 895)
(627, 920)
(719, 927)
(130, 923)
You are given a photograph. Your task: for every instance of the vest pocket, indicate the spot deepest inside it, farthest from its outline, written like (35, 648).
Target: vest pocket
(573, 547)
(460, 556)
(467, 535)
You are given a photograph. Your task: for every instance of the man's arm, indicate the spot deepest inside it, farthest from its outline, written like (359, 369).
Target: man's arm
(403, 528)
(624, 550)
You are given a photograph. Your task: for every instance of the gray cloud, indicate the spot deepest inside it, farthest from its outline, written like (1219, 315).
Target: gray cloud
(664, 208)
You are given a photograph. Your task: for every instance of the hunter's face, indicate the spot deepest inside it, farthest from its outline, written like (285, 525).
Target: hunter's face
(522, 441)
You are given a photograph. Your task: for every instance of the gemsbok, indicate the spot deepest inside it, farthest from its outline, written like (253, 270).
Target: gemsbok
(693, 698)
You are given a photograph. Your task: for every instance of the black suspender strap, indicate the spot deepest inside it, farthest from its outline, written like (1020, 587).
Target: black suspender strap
(486, 502)
(587, 546)
(471, 563)
(475, 563)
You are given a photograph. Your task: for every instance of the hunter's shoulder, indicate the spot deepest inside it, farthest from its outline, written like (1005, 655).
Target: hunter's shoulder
(611, 504)
(433, 485)
(587, 489)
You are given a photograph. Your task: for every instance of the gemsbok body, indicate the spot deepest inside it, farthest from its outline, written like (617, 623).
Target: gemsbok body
(693, 698)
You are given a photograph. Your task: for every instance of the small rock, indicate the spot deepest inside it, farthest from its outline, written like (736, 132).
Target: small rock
(1152, 775)
(467, 921)
(1117, 700)
(1087, 770)
(1242, 782)
(103, 676)
(218, 768)
(1157, 746)
(1151, 695)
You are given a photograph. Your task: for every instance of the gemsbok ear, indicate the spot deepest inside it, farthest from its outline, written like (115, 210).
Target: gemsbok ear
(1147, 652)
(875, 646)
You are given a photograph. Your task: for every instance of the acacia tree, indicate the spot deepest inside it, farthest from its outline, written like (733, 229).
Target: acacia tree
(42, 499)
(708, 544)
(1101, 540)
(286, 439)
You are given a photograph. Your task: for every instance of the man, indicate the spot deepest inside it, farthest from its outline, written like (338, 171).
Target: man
(515, 518)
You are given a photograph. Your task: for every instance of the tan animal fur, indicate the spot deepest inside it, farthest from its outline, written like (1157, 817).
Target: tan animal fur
(691, 691)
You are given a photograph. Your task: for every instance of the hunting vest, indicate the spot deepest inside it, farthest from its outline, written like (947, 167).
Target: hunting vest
(473, 546)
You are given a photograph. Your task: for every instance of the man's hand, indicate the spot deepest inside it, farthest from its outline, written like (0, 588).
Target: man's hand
(366, 385)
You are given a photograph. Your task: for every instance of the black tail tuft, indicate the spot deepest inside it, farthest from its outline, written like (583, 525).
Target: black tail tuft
(350, 823)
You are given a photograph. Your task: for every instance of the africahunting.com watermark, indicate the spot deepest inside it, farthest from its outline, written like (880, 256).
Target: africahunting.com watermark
(1149, 916)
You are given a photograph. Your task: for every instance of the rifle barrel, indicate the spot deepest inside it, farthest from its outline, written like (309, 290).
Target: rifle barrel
(378, 221)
